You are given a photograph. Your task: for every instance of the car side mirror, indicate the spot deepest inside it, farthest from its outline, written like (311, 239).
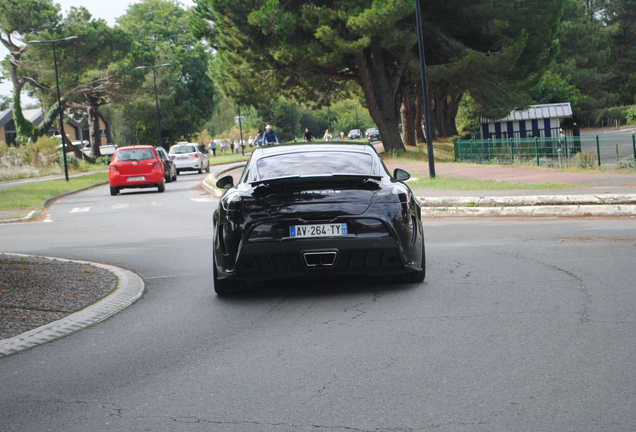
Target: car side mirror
(225, 182)
(401, 175)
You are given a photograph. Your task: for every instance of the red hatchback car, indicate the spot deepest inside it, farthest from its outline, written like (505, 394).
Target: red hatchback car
(135, 167)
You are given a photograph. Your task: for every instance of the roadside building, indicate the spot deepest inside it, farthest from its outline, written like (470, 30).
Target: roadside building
(543, 121)
(75, 130)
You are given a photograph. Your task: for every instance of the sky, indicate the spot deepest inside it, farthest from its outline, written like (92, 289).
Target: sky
(108, 10)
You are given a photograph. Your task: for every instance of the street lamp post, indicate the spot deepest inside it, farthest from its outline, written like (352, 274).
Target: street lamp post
(241, 132)
(427, 115)
(154, 79)
(59, 104)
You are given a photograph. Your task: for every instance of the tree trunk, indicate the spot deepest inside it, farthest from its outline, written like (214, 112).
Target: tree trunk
(419, 116)
(445, 98)
(93, 125)
(380, 92)
(77, 152)
(407, 112)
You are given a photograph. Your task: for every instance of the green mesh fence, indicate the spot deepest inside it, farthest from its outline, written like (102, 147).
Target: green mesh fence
(617, 151)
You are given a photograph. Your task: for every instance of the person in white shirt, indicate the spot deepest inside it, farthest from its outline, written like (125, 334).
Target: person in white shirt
(328, 136)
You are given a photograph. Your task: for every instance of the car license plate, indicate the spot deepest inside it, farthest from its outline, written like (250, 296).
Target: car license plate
(319, 230)
(182, 158)
(136, 178)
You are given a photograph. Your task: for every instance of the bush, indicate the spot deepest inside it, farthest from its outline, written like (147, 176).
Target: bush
(103, 160)
(631, 116)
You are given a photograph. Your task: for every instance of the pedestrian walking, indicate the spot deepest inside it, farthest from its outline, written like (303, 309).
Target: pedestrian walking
(250, 141)
(213, 148)
(328, 136)
(307, 137)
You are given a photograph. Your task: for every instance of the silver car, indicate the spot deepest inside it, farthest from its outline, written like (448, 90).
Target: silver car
(189, 157)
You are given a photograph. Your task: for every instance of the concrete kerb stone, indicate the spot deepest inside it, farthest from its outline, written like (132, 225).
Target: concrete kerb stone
(606, 210)
(210, 180)
(129, 289)
(520, 201)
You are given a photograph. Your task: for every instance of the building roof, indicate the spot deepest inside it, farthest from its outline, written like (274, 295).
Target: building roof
(535, 112)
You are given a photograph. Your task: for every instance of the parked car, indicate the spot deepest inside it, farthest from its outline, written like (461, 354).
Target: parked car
(189, 157)
(373, 134)
(355, 134)
(316, 209)
(169, 167)
(105, 150)
(135, 167)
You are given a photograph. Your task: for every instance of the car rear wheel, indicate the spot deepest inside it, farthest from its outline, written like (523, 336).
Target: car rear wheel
(114, 191)
(174, 177)
(416, 276)
(227, 286)
(162, 186)
(200, 171)
(169, 178)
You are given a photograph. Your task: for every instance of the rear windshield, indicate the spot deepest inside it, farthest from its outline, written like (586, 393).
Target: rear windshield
(182, 149)
(134, 154)
(314, 163)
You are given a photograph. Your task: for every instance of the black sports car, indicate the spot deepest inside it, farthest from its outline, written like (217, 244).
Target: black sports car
(308, 209)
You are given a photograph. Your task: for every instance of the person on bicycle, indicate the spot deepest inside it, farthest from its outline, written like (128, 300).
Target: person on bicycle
(258, 139)
(270, 137)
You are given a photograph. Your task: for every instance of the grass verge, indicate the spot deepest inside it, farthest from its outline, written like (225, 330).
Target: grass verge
(218, 160)
(423, 181)
(31, 196)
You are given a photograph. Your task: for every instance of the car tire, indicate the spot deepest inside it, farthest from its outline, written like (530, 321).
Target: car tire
(162, 186)
(416, 276)
(169, 178)
(174, 178)
(114, 191)
(227, 286)
(200, 171)
(178, 172)
(207, 170)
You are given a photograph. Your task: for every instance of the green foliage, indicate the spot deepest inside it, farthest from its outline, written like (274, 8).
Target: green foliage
(631, 116)
(554, 89)
(5, 102)
(186, 94)
(25, 17)
(584, 54)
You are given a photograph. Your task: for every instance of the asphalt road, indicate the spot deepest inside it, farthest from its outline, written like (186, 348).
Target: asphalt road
(520, 325)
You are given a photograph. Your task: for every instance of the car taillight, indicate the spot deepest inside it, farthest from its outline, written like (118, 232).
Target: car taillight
(158, 165)
(113, 168)
(194, 155)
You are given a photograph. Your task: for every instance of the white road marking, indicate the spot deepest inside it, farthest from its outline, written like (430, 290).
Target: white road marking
(80, 209)
(156, 204)
(201, 199)
(120, 206)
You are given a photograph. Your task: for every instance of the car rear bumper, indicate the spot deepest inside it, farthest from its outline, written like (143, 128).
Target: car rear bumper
(307, 257)
(188, 165)
(151, 179)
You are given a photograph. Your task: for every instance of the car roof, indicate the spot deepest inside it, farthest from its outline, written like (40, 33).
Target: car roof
(301, 147)
(135, 147)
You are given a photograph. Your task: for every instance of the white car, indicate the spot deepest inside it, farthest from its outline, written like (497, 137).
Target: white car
(189, 157)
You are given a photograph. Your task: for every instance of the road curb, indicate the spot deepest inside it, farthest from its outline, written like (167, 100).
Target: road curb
(210, 179)
(606, 210)
(129, 288)
(521, 201)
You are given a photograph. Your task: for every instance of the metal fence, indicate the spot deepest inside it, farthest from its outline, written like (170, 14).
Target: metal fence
(587, 151)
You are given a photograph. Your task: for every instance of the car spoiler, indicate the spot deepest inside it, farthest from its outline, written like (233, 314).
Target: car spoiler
(300, 178)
